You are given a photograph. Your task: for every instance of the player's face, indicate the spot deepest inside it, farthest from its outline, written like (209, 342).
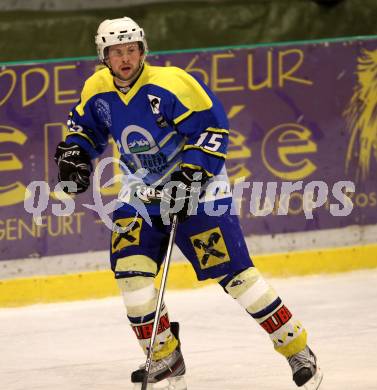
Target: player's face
(124, 60)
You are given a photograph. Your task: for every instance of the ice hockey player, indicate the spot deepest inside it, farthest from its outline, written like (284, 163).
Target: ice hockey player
(170, 124)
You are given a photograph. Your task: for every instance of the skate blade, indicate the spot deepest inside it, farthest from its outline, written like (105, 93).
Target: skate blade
(175, 383)
(315, 381)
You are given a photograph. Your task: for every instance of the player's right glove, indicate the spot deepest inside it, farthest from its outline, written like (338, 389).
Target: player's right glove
(74, 165)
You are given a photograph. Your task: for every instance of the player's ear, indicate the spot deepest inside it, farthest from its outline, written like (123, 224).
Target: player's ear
(106, 60)
(141, 48)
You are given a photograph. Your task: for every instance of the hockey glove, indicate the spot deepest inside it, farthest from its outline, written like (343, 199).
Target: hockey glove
(183, 195)
(74, 165)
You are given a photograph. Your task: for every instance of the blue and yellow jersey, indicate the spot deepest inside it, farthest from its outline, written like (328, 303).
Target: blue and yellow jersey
(166, 120)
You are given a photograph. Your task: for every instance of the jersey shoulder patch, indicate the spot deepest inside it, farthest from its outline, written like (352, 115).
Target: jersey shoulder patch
(181, 84)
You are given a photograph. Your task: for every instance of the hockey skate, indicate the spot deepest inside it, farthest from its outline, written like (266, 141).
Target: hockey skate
(305, 370)
(164, 374)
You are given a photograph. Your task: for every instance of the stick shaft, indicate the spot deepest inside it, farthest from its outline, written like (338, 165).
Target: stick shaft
(160, 299)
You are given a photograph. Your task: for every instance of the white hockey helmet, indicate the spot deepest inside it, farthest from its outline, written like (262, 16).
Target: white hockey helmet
(114, 31)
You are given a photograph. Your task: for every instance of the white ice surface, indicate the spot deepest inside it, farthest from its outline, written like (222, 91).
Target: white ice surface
(89, 345)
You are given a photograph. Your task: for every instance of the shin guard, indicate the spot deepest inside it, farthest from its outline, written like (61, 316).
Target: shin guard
(140, 296)
(262, 302)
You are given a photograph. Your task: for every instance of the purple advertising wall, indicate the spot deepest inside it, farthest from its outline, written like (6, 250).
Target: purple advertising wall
(298, 113)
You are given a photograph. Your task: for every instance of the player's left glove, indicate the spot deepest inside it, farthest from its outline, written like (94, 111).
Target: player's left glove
(184, 195)
(74, 165)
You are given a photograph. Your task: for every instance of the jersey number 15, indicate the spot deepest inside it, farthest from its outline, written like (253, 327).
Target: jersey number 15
(213, 144)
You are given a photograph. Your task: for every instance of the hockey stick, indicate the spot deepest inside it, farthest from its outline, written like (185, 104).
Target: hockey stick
(159, 301)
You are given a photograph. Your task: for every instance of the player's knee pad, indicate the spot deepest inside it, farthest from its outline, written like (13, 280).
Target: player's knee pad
(251, 290)
(135, 265)
(137, 283)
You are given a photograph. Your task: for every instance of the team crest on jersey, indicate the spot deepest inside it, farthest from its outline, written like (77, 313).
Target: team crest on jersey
(136, 140)
(137, 143)
(103, 111)
(154, 102)
(210, 248)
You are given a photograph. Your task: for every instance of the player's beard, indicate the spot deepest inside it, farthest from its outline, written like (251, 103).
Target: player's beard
(131, 77)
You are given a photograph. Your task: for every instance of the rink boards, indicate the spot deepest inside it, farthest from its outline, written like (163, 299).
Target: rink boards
(100, 284)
